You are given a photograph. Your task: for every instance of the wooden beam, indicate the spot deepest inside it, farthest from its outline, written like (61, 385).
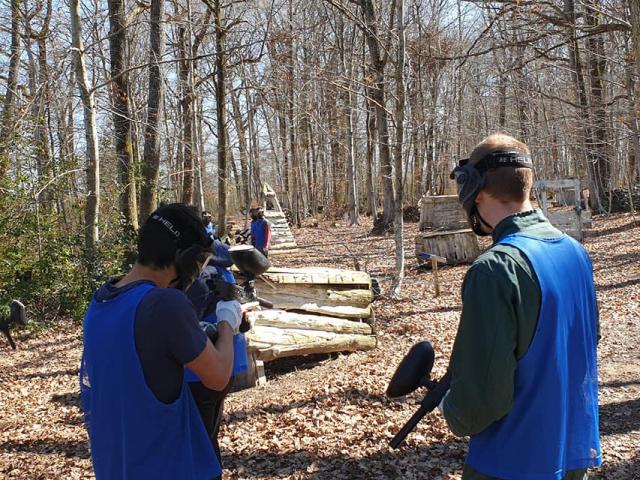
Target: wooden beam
(282, 319)
(270, 343)
(288, 294)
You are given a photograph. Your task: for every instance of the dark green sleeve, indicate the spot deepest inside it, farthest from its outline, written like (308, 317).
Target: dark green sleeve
(483, 360)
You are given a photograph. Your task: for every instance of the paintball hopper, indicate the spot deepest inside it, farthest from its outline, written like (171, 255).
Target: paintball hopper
(413, 371)
(251, 263)
(249, 260)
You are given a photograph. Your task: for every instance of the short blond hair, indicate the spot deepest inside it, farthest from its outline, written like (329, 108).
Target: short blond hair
(507, 184)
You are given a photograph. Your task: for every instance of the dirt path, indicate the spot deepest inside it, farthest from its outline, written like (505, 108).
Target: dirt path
(328, 418)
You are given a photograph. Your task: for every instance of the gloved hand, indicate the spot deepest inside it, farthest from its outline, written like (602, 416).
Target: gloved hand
(230, 312)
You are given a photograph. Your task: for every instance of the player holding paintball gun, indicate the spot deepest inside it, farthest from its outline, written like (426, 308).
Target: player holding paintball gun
(522, 381)
(140, 332)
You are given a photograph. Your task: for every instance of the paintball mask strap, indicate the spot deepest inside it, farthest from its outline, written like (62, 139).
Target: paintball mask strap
(471, 179)
(476, 221)
(189, 260)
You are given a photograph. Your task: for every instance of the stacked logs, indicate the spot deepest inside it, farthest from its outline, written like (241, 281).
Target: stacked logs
(316, 310)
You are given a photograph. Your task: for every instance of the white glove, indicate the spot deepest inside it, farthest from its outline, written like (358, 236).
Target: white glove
(230, 312)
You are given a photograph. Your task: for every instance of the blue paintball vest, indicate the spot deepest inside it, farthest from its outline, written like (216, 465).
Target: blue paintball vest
(553, 424)
(133, 435)
(240, 361)
(259, 232)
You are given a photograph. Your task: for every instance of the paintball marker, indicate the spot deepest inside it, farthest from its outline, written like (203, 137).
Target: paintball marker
(251, 263)
(413, 372)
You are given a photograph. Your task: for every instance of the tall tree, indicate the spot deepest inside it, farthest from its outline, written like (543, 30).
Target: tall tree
(399, 150)
(92, 207)
(221, 114)
(377, 94)
(12, 83)
(121, 114)
(151, 157)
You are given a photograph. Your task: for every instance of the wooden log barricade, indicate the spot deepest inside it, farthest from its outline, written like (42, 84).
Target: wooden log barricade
(316, 310)
(443, 231)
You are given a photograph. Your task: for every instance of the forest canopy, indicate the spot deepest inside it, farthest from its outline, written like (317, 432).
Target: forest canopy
(345, 107)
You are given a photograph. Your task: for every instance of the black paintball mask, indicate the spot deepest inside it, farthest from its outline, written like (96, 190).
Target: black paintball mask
(193, 245)
(470, 179)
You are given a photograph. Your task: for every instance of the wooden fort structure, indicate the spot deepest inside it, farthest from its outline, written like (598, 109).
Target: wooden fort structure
(444, 231)
(571, 215)
(282, 239)
(316, 310)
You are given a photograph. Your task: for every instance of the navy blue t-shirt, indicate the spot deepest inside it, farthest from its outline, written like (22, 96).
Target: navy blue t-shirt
(167, 336)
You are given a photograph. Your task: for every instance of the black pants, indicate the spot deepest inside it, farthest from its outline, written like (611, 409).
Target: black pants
(210, 404)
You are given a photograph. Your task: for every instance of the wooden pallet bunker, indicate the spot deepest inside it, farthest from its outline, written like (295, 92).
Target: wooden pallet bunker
(281, 237)
(441, 212)
(316, 310)
(443, 232)
(571, 221)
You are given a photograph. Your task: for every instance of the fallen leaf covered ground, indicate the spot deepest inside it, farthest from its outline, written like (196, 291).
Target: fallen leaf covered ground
(326, 416)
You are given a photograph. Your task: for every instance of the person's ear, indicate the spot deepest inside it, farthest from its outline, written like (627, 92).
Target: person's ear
(481, 197)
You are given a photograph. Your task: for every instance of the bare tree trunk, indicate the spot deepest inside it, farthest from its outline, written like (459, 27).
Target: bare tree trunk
(295, 161)
(186, 107)
(38, 75)
(12, 83)
(92, 208)
(597, 68)
(634, 7)
(377, 94)
(371, 182)
(242, 147)
(199, 167)
(221, 118)
(399, 121)
(151, 156)
(254, 152)
(634, 141)
(575, 63)
(121, 114)
(350, 157)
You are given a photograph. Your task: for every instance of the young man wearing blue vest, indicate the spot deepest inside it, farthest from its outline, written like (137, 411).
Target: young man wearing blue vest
(260, 230)
(140, 332)
(524, 378)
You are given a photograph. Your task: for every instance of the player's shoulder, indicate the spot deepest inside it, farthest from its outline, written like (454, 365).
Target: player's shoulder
(502, 262)
(171, 299)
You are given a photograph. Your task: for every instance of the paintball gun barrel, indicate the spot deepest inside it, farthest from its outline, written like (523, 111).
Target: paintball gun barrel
(413, 372)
